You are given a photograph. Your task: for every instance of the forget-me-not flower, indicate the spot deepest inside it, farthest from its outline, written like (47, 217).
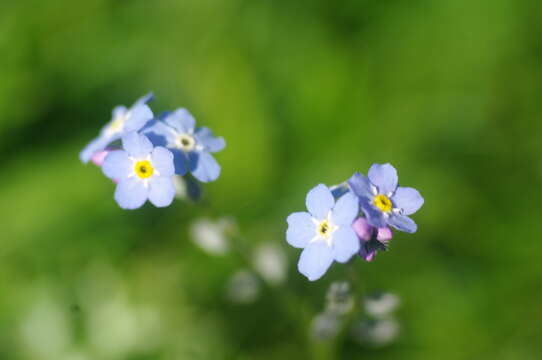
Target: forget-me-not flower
(191, 146)
(324, 232)
(123, 121)
(383, 201)
(142, 172)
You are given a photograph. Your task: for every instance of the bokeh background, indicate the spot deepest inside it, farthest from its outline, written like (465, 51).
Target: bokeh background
(304, 92)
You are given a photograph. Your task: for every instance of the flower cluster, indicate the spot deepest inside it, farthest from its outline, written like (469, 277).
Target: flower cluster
(352, 218)
(142, 153)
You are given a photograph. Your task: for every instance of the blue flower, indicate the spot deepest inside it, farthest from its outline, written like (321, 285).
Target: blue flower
(141, 172)
(325, 232)
(383, 202)
(191, 146)
(123, 121)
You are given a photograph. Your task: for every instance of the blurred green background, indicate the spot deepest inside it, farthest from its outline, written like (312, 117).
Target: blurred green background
(304, 92)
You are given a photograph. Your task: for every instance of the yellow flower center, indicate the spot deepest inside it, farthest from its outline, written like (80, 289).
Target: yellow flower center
(144, 169)
(383, 203)
(324, 229)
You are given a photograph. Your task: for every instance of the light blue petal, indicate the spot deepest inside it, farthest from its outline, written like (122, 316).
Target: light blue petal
(161, 191)
(138, 117)
(131, 194)
(162, 160)
(315, 259)
(408, 199)
(181, 120)
(119, 111)
(360, 185)
(346, 209)
(402, 223)
(93, 147)
(136, 145)
(211, 143)
(301, 229)
(117, 165)
(384, 176)
(374, 216)
(319, 201)
(204, 166)
(345, 244)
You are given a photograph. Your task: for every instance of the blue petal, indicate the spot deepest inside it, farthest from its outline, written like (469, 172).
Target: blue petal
(212, 143)
(339, 190)
(346, 209)
(203, 166)
(384, 176)
(131, 194)
(117, 165)
(301, 229)
(402, 223)
(180, 161)
(93, 147)
(345, 244)
(181, 120)
(161, 191)
(136, 145)
(408, 199)
(162, 160)
(193, 188)
(164, 114)
(138, 117)
(315, 259)
(374, 216)
(319, 201)
(158, 133)
(361, 186)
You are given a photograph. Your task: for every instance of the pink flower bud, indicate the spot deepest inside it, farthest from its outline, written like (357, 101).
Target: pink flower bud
(363, 229)
(99, 157)
(384, 235)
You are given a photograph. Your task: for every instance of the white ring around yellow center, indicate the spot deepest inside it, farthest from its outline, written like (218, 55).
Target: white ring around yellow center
(185, 142)
(324, 230)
